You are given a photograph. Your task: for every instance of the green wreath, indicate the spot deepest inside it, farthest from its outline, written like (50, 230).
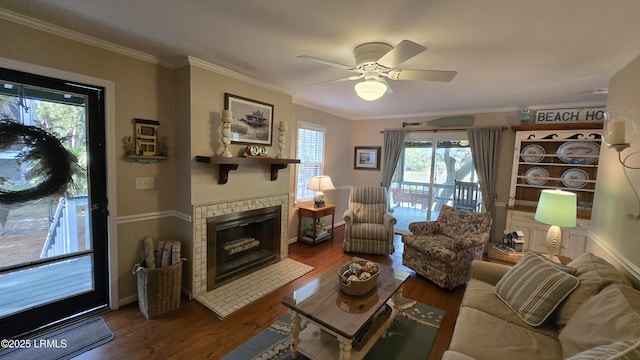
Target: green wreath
(52, 162)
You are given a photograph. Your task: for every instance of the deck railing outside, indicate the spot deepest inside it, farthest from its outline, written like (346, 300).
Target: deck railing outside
(411, 194)
(63, 231)
(409, 201)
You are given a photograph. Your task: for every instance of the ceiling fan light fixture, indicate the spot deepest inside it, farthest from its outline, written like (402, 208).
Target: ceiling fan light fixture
(371, 89)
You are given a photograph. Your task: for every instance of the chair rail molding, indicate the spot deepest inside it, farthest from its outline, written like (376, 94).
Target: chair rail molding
(153, 216)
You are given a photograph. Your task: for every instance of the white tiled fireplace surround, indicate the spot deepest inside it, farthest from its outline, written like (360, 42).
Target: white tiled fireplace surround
(203, 211)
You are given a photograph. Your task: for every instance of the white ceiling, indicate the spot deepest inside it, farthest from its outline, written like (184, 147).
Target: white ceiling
(508, 53)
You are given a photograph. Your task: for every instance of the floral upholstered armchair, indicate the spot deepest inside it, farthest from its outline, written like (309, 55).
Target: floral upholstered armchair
(442, 250)
(369, 227)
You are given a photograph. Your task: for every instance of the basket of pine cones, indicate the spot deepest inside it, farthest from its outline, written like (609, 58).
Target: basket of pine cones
(358, 277)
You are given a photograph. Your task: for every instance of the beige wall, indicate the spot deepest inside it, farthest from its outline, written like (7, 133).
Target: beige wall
(182, 154)
(368, 133)
(183, 228)
(613, 236)
(201, 135)
(207, 102)
(337, 163)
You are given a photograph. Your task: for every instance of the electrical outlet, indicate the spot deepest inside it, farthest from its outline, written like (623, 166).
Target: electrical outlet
(145, 183)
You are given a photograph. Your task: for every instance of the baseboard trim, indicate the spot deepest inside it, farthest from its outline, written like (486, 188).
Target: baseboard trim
(619, 257)
(134, 298)
(127, 300)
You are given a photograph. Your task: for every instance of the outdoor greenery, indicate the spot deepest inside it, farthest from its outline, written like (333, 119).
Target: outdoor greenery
(66, 122)
(451, 163)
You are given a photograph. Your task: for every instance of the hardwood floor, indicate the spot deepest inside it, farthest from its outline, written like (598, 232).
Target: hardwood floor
(194, 332)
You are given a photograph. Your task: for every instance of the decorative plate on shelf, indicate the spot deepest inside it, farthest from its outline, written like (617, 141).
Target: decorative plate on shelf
(572, 152)
(536, 176)
(532, 153)
(575, 178)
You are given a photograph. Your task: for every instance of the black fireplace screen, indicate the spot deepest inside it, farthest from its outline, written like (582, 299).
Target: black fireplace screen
(240, 243)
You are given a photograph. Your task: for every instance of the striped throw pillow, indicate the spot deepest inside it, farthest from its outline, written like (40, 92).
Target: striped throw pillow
(533, 288)
(620, 350)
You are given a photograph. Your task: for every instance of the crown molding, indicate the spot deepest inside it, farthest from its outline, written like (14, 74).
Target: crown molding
(586, 104)
(188, 60)
(319, 108)
(624, 60)
(192, 61)
(123, 50)
(79, 37)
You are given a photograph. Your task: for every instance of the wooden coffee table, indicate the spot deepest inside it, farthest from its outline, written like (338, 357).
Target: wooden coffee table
(335, 318)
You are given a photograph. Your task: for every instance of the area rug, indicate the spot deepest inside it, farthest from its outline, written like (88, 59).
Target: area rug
(239, 293)
(63, 343)
(410, 337)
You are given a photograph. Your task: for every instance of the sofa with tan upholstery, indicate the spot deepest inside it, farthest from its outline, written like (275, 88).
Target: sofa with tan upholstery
(592, 312)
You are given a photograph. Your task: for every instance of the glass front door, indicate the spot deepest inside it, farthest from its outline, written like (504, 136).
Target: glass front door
(53, 245)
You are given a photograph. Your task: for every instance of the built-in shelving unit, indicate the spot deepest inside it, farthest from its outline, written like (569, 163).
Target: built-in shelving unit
(564, 158)
(226, 164)
(555, 159)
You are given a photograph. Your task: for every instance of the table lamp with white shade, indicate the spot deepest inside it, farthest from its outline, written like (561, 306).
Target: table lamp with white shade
(320, 183)
(556, 208)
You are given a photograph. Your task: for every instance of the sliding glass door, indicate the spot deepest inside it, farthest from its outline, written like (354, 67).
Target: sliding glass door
(53, 244)
(424, 179)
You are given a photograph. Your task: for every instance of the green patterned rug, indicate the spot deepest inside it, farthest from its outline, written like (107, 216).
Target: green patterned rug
(409, 337)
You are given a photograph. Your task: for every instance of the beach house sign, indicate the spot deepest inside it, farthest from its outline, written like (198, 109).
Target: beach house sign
(570, 116)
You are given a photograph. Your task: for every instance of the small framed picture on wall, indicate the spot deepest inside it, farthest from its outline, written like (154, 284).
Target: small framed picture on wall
(367, 158)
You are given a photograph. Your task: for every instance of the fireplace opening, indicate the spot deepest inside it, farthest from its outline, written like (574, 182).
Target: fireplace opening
(240, 243)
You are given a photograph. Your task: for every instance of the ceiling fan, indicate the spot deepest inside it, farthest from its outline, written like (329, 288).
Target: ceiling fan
(376, 62)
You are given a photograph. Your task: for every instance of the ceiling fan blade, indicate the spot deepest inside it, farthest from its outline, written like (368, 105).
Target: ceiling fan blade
(452, 121)
(400, 53)
(428, 75)
(325, 62)
(354, 77)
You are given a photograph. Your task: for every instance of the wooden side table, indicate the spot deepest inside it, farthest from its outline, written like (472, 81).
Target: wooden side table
(511, 259)
(315, 213)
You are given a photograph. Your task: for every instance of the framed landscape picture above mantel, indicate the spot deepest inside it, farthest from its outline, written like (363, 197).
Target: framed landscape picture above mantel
(367, 158)
(252, 121)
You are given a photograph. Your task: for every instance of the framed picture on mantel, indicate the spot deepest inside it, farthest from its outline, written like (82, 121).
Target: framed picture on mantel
(252, 121)
(367, 158)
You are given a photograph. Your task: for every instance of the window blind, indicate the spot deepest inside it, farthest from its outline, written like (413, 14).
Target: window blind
(310, 151)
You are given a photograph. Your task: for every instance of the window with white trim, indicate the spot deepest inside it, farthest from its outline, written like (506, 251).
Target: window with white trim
(310, 151)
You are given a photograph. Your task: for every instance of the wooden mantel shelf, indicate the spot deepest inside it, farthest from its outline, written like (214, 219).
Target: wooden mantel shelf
(226, 164)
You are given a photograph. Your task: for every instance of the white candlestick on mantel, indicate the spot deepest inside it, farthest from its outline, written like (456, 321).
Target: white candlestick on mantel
(282, 129)
(226, 118)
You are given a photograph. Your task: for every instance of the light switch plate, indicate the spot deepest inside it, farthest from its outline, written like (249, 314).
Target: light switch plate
(143, 183)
